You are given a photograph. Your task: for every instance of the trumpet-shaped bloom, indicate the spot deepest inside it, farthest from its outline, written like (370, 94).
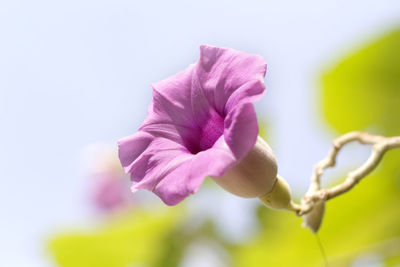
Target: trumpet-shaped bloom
(200, 123)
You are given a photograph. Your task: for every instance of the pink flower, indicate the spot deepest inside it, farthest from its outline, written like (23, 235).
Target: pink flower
(201, 122)
(110, 193)
(108, 189)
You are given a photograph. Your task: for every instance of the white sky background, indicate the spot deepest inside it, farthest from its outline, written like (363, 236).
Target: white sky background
(75, 72)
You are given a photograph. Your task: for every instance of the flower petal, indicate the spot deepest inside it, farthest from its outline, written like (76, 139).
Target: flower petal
(188, 177)
(161, 157)
(248, 92)
(220, 72)
(131, 147)
(241, 130)
(170, 113)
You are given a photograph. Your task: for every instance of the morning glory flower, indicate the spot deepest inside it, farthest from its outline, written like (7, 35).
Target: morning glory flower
(201, 122)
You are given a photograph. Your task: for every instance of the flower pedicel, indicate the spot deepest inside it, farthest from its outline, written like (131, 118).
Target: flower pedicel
(201, 122)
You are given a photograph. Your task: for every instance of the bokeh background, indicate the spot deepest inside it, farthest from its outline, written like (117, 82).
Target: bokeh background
(75, 77)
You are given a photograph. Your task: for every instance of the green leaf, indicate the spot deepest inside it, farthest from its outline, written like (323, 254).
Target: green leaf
(362, 92)
(134, 239)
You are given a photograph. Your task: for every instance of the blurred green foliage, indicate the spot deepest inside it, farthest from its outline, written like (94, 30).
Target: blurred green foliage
(135, 237)
(361, 93)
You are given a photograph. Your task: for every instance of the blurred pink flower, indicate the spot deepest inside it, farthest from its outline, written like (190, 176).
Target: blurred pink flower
(110, 194)
(200, 123)
(108, 191)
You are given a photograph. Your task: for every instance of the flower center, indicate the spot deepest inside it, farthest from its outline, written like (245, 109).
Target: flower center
(210, 130)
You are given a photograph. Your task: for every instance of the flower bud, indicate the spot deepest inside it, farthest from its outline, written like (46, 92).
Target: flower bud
(279, 197)
(254, 176)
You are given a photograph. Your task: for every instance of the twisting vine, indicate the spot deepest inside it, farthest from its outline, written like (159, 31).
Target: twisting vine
(313, 203)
